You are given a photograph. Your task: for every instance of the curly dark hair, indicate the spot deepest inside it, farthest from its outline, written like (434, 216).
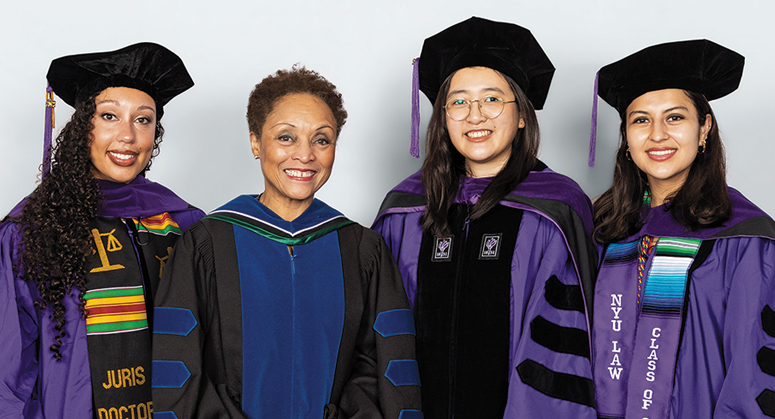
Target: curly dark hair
(444, 165)
(702, 202)
(56, 241)
(284, 82)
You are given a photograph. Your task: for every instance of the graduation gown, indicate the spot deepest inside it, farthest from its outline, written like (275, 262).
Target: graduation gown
(500, 305)
(687, 328)
(258, 317)
(33, 383)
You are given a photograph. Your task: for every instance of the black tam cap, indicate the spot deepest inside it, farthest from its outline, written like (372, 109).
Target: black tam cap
(700, 66)
(476, 42)
(146, 66)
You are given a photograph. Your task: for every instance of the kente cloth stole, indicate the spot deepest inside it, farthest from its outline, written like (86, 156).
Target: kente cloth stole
(637, 339)
(128, 260)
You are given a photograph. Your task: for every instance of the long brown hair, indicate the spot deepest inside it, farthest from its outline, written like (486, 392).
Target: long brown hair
(444, 165)
(55, 239)
(702, 201)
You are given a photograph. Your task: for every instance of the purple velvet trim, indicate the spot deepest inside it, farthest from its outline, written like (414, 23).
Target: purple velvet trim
(542, 185)
(593, 126)
(138, 199)
(412, 184)
(48, 127)
(403, 210)
(660, 223)
(554, 186)
(414, 148)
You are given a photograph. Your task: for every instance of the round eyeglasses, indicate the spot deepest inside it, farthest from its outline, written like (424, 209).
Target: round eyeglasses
(489, 106)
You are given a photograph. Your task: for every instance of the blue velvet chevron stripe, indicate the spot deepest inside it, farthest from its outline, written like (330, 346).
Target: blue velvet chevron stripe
(395, 322)
(410, 414)
(173, 321)
(169, 374)
(164, 415)
(247, 212)
(403, 372)
(665, 288)
(621, 252)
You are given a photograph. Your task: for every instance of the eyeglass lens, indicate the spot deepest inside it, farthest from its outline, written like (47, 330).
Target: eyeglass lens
(459, 109)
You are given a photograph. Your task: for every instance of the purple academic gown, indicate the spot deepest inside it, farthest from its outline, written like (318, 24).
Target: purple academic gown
(33, 384)
(725, 363)
(552, 242)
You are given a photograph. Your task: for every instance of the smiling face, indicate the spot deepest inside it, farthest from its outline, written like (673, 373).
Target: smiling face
(664, 136)
(124, 130)
(484, 143)
(297, 145)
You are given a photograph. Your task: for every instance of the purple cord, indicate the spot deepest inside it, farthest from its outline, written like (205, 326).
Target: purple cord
(414, 148)
(593, 129)
(48, 127)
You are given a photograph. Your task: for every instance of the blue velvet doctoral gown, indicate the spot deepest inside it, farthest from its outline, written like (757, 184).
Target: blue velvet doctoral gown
(258, 317)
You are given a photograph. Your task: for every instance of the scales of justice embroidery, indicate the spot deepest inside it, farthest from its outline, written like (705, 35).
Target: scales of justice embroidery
(114, 245)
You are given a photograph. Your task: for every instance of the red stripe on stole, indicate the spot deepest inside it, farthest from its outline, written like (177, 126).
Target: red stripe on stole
(117, 309)
(156, 220)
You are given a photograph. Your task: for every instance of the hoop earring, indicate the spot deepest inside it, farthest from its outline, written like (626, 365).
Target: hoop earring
(703, 148)
(627, 153)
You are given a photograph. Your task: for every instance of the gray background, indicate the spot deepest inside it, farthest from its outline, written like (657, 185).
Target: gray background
(366, 48)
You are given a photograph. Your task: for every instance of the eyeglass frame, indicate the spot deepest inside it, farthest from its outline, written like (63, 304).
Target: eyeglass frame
(479, 103)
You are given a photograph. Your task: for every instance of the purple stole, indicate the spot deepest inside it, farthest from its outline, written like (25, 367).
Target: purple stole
(638, 326)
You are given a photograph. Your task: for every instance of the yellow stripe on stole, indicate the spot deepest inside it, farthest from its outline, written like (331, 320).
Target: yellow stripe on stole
(115, 318)
(114, 301)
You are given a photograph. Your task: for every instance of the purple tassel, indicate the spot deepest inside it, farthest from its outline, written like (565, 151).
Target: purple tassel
(414, 148)
(593, 129)
(48, 129)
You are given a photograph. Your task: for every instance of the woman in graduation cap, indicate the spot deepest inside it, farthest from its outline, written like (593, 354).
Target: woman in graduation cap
(684, 324)
(493, 246)
(82, 255)
(276, 305)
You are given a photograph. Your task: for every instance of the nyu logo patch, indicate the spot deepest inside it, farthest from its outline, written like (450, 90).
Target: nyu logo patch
(442, 250)
(491, 246)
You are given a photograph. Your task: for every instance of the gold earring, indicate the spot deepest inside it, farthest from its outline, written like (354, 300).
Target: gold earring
(627, 153)
(703, 146)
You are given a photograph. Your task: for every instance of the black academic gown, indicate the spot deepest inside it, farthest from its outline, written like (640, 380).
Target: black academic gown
(259, 317)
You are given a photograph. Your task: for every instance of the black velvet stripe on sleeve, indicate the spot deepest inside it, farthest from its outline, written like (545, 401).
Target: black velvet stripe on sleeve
(556, 384)
(563, 297)
(567, 340)
(229, 324)
(766, 401)
(766, 360)
(768, 321)
(579, 243)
